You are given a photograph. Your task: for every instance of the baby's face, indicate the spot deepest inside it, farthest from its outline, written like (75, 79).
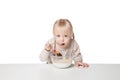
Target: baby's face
(63, 38)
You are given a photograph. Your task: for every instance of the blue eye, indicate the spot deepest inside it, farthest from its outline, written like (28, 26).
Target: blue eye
(65, 35)
(57, 35)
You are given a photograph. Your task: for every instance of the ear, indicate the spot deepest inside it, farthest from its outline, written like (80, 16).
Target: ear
(73, 37)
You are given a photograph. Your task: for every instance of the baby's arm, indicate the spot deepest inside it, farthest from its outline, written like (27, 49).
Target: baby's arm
(77, 57)
(44, 56)
(78, 60)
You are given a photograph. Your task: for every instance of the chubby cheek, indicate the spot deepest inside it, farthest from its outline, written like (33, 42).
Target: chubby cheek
(58, 40)
(67, 42)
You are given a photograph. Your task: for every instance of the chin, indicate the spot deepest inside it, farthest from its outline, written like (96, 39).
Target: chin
(64, 47)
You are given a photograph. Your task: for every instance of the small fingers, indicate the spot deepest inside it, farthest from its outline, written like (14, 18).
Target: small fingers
(85, 65)
(79, 64)
(47, 47)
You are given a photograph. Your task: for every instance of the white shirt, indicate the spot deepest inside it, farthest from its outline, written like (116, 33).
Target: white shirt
(72, 50)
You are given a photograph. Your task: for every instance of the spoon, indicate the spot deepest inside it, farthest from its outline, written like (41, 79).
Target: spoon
(56, 53)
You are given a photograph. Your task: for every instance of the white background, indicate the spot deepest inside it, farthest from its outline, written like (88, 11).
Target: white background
(26, 25)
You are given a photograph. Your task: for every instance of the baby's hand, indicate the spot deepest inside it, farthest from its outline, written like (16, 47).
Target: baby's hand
(81, 64)
(48, 47)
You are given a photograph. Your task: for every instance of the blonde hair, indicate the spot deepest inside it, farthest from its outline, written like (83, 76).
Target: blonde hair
(63, 23)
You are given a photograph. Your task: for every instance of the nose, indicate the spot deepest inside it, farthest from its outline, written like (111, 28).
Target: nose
(62, 39)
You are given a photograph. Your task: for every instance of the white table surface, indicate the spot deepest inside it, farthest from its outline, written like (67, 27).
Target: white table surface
(49, 72)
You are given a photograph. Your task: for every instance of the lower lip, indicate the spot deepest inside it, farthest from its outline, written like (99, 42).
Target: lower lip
(62, 44)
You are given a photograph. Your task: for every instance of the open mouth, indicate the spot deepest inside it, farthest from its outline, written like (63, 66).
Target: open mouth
(62, 44)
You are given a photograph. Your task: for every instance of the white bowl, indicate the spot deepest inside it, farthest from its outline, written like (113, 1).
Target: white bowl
(61, 62)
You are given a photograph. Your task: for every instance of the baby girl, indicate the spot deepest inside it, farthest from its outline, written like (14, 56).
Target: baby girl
(64, 43)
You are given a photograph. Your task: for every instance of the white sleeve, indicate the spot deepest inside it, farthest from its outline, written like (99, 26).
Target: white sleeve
(76, 55)
(44, 55)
